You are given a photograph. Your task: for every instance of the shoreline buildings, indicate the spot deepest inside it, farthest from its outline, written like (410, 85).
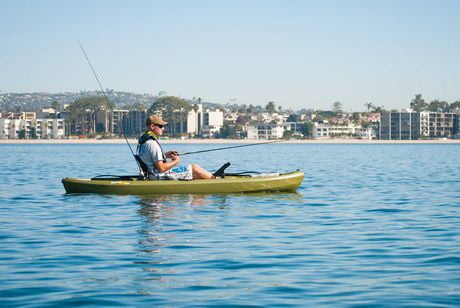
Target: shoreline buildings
(199, 121)
(208, 123)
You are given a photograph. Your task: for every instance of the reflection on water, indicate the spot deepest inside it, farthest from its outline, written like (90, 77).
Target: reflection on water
(170, 229)
(159, 234)
(167, 224)
(155, 207)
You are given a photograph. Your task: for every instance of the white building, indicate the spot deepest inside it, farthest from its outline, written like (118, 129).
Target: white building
(365, 132)
(204, 122)
(265, 131)
(326, 130)
(50, 128)
(32, 128)
(9, 128)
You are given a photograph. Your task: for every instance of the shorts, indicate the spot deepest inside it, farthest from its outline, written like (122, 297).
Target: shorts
(183, 173)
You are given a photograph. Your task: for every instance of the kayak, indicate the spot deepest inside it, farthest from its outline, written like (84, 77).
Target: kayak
(135, 185)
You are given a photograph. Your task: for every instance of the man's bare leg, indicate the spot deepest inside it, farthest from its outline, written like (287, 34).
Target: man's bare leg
(200, 173)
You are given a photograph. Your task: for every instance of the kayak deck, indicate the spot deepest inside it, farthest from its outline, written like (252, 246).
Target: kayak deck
(230, 184)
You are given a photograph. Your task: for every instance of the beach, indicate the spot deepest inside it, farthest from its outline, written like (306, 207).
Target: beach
(229, 141)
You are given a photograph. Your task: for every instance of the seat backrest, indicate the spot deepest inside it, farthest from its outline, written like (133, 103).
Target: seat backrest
(142, 166)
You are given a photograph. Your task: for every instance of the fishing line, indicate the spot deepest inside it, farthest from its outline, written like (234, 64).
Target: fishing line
(181, 154)
(230, 147)
(105, 95)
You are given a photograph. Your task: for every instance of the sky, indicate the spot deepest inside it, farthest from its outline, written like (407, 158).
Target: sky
(299, 54)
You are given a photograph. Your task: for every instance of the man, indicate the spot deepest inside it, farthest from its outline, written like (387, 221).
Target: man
(151, 153)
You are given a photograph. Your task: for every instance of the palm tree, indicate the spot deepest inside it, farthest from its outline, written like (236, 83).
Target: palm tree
(369, 106)
(270, 107)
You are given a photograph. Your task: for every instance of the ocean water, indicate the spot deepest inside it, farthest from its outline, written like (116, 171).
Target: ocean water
(371, 225)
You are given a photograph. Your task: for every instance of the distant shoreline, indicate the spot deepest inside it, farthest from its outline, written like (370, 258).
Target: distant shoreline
(230, 141)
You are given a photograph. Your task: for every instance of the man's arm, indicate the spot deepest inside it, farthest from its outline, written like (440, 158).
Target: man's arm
(165, 166)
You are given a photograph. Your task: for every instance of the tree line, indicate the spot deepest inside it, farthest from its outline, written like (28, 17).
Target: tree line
(418, 104)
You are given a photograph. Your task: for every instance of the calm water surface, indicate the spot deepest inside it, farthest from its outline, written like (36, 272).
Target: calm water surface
(375, 225)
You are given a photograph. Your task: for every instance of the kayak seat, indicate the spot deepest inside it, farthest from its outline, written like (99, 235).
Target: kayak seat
(221, 171)
(142, 167)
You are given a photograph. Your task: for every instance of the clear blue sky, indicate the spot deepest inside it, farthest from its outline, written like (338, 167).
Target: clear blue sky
(300, 54)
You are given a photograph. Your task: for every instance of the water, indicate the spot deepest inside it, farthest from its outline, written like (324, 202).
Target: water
(371, 225)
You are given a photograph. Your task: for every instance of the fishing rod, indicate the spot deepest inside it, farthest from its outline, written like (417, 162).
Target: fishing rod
(182, 154)
(230, 147)
(105, 95)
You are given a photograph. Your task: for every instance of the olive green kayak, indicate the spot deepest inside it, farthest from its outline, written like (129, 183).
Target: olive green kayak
(230, 184)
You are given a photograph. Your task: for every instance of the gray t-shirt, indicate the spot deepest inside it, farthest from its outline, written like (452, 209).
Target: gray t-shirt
(150, 152)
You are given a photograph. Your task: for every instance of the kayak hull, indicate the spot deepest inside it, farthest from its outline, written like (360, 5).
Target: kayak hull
(229, 184)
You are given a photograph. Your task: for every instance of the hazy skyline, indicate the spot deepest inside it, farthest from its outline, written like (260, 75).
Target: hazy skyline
(299, 54)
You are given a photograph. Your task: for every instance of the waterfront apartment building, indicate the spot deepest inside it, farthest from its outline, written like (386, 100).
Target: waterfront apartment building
(135, 122)
(203, 121)
(111, 121)
(327, 130)
(50, 128)
(438, 124)
(399, 126)
(32, 128)
(265, 131)
(416, 125)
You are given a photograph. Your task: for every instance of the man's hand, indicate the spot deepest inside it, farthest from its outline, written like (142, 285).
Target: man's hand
(175, 157)
(165, 166)
(170, 154)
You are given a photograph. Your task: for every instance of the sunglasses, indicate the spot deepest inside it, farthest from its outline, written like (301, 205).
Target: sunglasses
(160, 126)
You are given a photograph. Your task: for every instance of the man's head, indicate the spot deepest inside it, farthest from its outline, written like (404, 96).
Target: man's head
(154, 119)
(155, 124)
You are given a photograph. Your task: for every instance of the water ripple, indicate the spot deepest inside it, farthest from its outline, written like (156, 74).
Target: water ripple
(368, 227)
